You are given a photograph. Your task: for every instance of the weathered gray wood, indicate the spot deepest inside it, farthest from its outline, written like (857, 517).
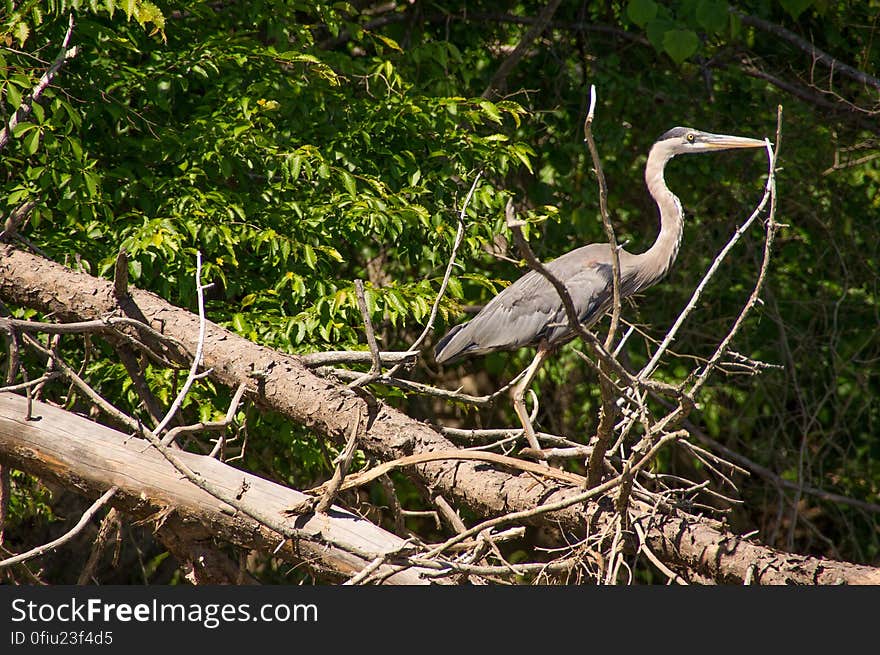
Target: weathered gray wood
(88, 457)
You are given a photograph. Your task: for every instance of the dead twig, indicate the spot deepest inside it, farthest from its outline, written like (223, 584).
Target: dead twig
(459, 236)
(197, 358)
(343, 462)
(771, 227)
(330, 357)
(608, 413)
(110, 524)
(376, 365)
(562, 504)
(210, 426)
(22, 112)
(120, 275)
(498, 81)
(366, 477)
(67, 536)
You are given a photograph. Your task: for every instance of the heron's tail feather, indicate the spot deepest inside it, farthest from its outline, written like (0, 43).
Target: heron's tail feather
(452, 345)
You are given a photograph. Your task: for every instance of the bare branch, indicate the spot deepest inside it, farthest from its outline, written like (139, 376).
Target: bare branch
(606, 220)
(132, 366)
(366, 477)
(368, 326)
(331, 357)
(120, 275)
(807, 47)
(22, 112)
(15, 219)
(607, 416)
(110, 524)
(5, 491)
(67, 536)
(376, 360)
(343, 462)
(644, 548)
(771, 227)
(459, 235)
(418, 387)
(82, 385)
(197, 358)
(498, 79)
(562, 504)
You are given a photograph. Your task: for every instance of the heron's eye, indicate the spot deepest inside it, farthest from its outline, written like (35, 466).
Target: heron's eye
(691, 137)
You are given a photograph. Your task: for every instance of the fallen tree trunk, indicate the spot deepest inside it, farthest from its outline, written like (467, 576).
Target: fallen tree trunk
(80, 454)
(282, 383)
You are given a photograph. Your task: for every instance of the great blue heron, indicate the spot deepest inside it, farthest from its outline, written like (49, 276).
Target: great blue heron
(530, 312)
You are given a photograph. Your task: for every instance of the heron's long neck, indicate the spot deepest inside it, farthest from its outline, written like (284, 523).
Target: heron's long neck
(654, 262)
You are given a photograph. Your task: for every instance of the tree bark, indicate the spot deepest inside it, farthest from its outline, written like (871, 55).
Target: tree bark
(285, 385)
(90, 458)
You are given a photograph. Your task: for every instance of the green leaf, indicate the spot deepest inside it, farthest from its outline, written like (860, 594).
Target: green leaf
(735, 25)
(309, 256)
(130, 7)
(521, 153)
(454, 286)
(641, 12)
(150, 13)
(38, 111)
(795, 7)
(491, 110)
(13, 95)
(394, 300)
(32, 142)
(240, 323)
(680, 44)
(21, 32)
(333, 253)
(295, 167)
(712, 15)
(349, 183)
(22, 128)
(91, 183)
(656, 31)
(391, 43)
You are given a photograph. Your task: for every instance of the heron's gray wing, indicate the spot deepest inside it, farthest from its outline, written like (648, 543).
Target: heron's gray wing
(530, 309)
(588, 278)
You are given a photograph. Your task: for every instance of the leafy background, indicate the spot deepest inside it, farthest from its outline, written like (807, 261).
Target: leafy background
(300, 146)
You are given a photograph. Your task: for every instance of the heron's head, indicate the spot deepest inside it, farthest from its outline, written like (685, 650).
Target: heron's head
(684, 140)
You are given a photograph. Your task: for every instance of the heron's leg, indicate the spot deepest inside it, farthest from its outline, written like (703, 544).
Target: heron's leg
(518, 393)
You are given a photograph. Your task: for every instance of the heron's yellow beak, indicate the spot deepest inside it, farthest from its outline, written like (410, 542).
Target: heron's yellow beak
(723, 141)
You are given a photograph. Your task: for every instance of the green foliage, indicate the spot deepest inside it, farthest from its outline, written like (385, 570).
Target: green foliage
(795, 7)
(17, 23)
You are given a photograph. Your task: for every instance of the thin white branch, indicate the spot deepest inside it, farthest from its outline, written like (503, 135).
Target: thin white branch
(197, 360)
(459, 235)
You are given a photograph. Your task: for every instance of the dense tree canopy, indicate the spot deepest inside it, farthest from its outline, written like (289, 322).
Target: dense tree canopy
(300, 146)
